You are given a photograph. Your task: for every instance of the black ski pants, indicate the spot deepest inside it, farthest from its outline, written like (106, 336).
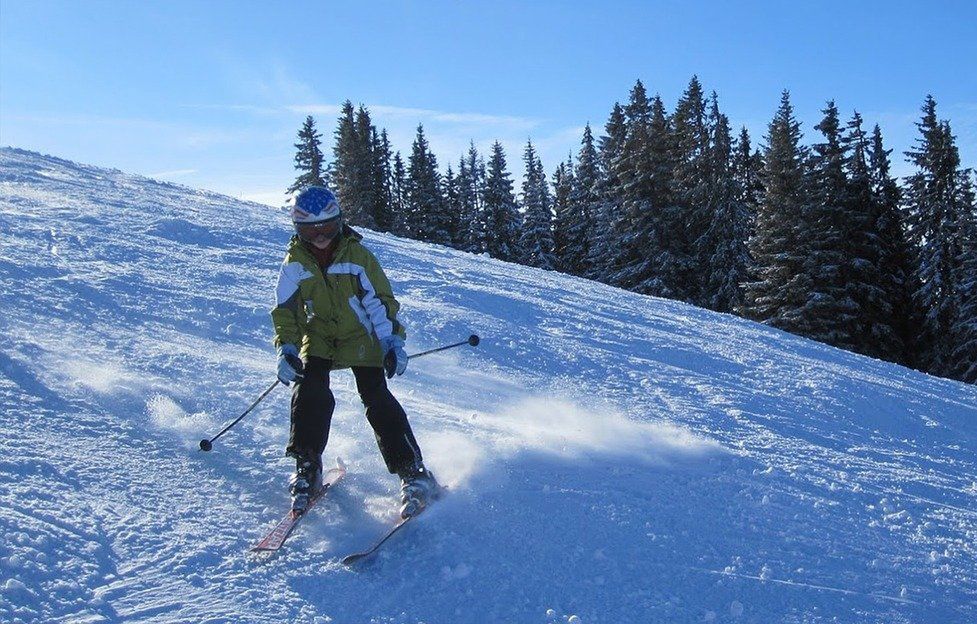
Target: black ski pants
(312, 408)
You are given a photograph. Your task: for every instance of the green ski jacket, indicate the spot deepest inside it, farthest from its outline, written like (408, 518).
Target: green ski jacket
(338, 314)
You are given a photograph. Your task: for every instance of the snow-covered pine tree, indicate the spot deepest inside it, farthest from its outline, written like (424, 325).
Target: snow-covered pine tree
(501, 212)
(748, 173)
(464, 185)
(562, 214)
(381, 179)
(873, 332)
(659, 261)
(362, 200)
(603, 247)
(398, 196)
(426, 213)
(935, 201)
(897, 263)
(778, 286)
(452, 209)
(347, 166)
(724, 242)
(632, 255)
(536, 237)
(471, 180)
(748, 179)
(688, 221)
(308, 158)
(829, 314)
(585, 203)
(965, 354)
(640, 257)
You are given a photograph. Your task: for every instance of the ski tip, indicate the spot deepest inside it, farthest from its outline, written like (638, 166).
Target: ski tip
(341, 464)
(349, 560)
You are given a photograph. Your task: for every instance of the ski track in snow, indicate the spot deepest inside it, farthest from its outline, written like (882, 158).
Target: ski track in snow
(611, 457)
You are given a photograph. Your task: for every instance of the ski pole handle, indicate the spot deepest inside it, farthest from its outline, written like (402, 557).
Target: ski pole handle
(472, 340)
(206, 445)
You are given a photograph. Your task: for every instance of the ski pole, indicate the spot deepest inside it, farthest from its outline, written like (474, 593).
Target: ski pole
(206, 445)
(472, 340)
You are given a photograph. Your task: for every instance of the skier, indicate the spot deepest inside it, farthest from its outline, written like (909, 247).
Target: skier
(335, 309)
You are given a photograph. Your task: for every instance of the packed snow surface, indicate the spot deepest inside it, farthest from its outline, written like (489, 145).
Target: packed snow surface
(611, 457)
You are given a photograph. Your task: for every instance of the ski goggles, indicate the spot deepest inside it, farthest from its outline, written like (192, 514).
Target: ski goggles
(311, 231)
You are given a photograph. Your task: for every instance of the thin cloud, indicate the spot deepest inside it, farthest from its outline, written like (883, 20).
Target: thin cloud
(180, 135)
(270, 84)
(314, 109)
(239, 108)
(422, 115)
(477, 119)
(91, 120)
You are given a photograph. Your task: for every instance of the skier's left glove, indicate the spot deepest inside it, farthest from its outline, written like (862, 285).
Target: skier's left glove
(394, 356)
(290, 366)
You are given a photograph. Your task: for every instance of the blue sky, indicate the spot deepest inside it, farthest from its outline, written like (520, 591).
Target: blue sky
(210, 94)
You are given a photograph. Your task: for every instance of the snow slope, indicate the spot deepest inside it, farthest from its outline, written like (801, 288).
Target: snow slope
(612, 457)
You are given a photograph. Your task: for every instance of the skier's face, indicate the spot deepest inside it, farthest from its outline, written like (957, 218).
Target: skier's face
(319, 234)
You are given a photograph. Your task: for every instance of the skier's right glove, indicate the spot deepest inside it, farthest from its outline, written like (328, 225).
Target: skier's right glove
(290, 367)
(394, 358)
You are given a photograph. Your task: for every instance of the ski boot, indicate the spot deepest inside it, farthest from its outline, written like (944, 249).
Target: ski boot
(305, 482)
(418, 488)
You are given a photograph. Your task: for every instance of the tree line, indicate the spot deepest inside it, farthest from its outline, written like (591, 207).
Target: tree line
(820, 240)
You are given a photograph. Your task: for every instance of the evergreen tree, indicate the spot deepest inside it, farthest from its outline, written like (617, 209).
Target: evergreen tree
(452, 209)
(308, 158)
(965, 354)
(381, 180)
(748, 181)
(874, 332)
(603, 248)
(939, 221)
(463, 182)
(778, 287)
(536, 238)
(585, 203)
(829, 314)
(638, 258)
(689, 219)
(656, 246)
(471, 181)
(348, 167)
(748, 174)
(398, 196)
(629, 257)
(501, 212)
(364, 194)
(723, 245)
(896, 261)
(562, 214)
(427, 217)
(361, 173)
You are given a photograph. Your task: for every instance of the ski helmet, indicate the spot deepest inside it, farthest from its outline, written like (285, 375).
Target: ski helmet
(315, 212)
(314, 204)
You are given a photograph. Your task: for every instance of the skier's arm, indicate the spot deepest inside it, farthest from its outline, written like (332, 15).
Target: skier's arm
(289, 316)
(379, 301)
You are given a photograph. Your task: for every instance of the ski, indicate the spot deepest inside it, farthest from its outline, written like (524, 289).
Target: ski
(349, 560)
(277, 536)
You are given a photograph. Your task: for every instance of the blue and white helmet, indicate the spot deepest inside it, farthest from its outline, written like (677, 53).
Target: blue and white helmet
(315, 204)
